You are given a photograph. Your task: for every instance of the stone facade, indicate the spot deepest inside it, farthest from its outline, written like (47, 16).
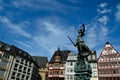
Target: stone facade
(16, 64)
(70, 63)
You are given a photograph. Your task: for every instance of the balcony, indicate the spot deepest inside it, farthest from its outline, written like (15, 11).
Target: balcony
(62, 68)
(49, 75)
(56, 67)
(61, 75)
(116, 75)
(109, 75)
(50, 67)
(105, 75)
(55, 75)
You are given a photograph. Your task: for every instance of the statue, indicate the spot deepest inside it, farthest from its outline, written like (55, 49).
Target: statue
(82, 68)
(83, 49)
(81, 31)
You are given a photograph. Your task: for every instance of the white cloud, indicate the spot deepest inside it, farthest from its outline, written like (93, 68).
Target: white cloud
(22, 43)
(96, 33)
(104, 20)
(104, 30)
(91, 36)
(51, 27)
(52, 36)
(55, 5)
(117, 15)
(38, 4)
(103, 5)
(103, 11)
(15, 28)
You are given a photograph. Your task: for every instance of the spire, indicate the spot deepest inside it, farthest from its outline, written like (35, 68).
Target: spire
(107, 42)
(58, 49)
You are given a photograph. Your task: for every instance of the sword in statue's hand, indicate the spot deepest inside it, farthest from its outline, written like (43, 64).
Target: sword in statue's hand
(71, 41)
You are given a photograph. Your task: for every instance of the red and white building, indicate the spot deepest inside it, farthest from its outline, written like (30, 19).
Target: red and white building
(56, 66)
(109, 63)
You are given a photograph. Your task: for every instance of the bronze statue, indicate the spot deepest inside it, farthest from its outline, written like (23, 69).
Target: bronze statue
(81, 31)
(81, 46)
(82, 67)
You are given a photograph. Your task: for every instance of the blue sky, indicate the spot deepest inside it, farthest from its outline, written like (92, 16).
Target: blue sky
(41, 26)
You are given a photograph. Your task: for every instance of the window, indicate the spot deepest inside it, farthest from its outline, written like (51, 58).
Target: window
(61, 72)
(94, 74)
(67, 69)
(50, 72)
(3, 64)
(24, 70)
(27, 78)
(93, 57)
(67, 63)
(23, 76)
(13, 74)
(71, 77)
(7, 48)
(1, 54)
(115, 72)
(71, 63)
(20, 68)
(6, 56)
(19, 52)
(18, 75)
(94, 65)
(16, 65)
(57, 58)
(29, 70)
(67, 77)
(22, 60)
(71, 70)
(2, 72)
(89, 57)
(55, 72)
(56, 65)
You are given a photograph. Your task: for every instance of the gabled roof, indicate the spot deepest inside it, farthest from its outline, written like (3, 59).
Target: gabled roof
(62, 53)
(107, 48)
(41, 61)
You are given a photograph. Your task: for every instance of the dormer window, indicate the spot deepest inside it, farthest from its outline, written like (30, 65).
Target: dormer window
(7, 48)
(1, 44)
(57, 58)
(19, 52)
